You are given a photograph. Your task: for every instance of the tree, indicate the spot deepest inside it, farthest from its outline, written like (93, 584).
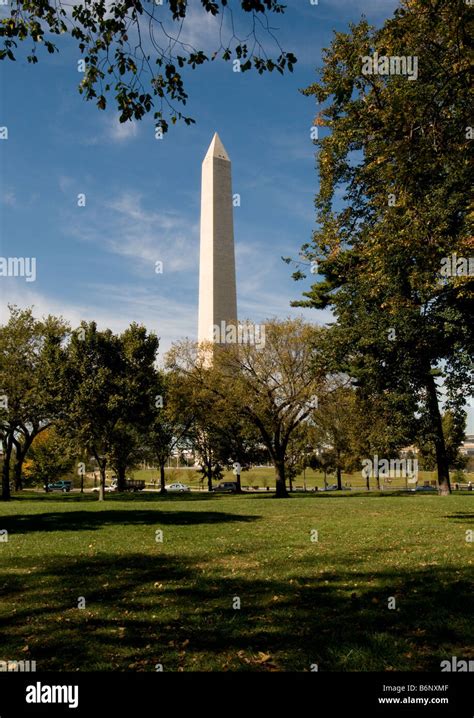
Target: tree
(240, 442)
(170, 421)
(50, 457)
(454, 428)
(196, 416)
(109, 382)
(300, 452)
(334, 422)
(221, 437)
(271, 386)
(138, 48)
(209, 427)
(399, 148)
(324, 460)
(126, 450)
(29, 375)
(205, 441)
(219, 432)
(137, 384)
(383, 424)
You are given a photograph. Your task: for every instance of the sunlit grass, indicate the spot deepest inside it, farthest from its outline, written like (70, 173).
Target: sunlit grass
(302, 601)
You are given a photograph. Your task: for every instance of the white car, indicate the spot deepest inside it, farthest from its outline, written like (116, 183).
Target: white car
(180, 488)
(108, 489)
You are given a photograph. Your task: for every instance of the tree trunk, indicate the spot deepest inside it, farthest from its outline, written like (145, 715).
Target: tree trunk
(208, 472)
(239, 485)
(102, 484)
(281, 492)
(438, 437)
(162, 479)
(339, 472)
(376, 473)
(121, 479)
(21, 452)
(102, 469)
(20, 456)
(17, 470)
(18, 465)
(7, 452)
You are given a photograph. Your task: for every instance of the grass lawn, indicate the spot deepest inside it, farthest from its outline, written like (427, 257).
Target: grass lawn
(302, 602)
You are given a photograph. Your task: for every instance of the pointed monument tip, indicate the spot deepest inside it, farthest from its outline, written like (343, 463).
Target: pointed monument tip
(217, 149)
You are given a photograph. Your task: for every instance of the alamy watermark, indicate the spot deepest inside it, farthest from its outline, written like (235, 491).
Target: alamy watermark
(389, 468)
(18, 666)
(454, 266)
(18, 267)
(45, 693)
(390, 65)
(457, 666)
(232, 333)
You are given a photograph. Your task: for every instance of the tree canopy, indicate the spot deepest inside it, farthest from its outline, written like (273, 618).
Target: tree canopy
(273, 386)
(138, 50)
(30, 368)
(108, 388)
(397, 150)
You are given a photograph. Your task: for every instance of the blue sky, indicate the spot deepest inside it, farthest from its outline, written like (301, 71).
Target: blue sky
(142, 194)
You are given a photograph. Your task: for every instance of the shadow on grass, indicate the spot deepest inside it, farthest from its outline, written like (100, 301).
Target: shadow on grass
(156, 497)
(147, 609)
(346, 494)
(401, 493)
(89, 497)
(461, 516)
(92, 520)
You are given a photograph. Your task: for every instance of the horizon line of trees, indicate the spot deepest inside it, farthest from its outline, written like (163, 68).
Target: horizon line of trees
(69, 395)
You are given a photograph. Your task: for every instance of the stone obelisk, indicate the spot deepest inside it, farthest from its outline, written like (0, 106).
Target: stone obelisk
(217, 286)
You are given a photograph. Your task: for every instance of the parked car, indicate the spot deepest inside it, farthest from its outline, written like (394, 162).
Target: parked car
(130, 485)
(178, 487)
(226, 487)
(63, 486)
(426, 488)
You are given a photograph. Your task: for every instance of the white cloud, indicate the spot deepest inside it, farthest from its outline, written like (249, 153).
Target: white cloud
(122, 131)
(65, 183)
(199, 29)
(111, 130)
(9, 199)
(369, 8)
(258, 271)
(169, 319)
(127, 229)
(375, 7)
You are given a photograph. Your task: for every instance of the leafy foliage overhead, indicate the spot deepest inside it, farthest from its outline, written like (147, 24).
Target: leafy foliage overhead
(137, 50)
(394, 207)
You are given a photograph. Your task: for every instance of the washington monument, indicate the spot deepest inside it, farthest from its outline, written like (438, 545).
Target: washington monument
(217, 287)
